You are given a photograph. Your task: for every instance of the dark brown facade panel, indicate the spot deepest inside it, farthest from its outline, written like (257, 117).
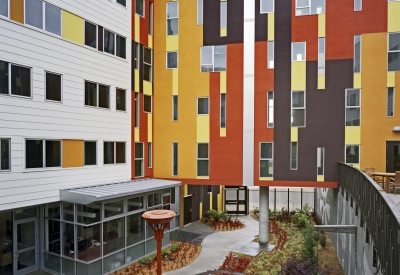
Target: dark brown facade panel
(100, 37)
(194, 190)
(261, 24)
(133, 66)
(211, 24)
(206, 199)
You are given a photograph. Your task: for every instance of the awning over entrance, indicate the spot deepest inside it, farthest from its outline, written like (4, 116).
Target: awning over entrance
(90, 194)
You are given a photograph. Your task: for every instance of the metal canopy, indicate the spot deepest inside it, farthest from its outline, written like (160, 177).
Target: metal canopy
(90, 194)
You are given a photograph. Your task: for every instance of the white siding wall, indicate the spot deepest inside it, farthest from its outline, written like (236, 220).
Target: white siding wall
(34, 117)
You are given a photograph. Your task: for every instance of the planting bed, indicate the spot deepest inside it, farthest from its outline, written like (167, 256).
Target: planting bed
(220, 220)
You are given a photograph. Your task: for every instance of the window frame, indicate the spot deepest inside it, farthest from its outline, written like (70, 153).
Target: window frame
(321, 71)
(151, 104)
(173, 107)
(208, 105)
(44, 18)
(266, 12)
(151, 65)
(115, 152)
(197, 158)
(177, 159)
(212, 58)
(97, 95)
(9, 66)
(221, 23)
(269, 107)
(352, 107)
(291, 155)
(116, 1)
(97, 35)
(361, 5)
(43, 168)
(269, 159)
(8, 11)
(177, 60)
(142, 160)
(144, 9)
(310, 8)
(9, 155)
(323, 161)
(389, 51)
(116, 106)
(200, 4)
(354, 53)
(271, 44)
(345, 153)
(299, 108)
(84, 153)
(137, 110)
(149, 154)
(151, 18)
(393, 101)
(220, 111)
(45, 86)
(305, 51)
(166, 17)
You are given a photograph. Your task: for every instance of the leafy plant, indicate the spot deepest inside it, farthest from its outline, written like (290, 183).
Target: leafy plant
(217, 215)
(272, 214)
(306, 210)
(302, 266)
(256, 210)
(173, 248)
(145, 260)
(165, 252)
(300, 219)
(322, 240)
(309, 242)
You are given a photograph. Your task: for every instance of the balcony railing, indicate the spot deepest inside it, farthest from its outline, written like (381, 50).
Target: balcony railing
(380, 213)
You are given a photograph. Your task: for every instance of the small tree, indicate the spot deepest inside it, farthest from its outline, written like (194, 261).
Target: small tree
(309, 242)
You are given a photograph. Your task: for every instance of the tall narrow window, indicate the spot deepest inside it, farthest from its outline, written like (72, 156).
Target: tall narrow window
(266, 6)
(151, 18)
(172, 18)
(175, 108)
(109, 41)
(358, 5)
(270, 115)
(4, 8)
(137, 55)
(20, 80)
(121, 100)
(298, 109)
(271, 54)
(149, 155)
(293, 155)
(104, 96)
(394, 52)
(172, 60)
(202, 160)
(353, 154)
(52, 19)
(320, 161)
(137, 116)
(147, 104)
(121, 46)
(120, 152)
(4, 77)
(5, 154)
(53, 86)
(224, 10)
(266, 160)
(90, 152)
(139, 152)
(139, 7)
(202, 106)
(390, 101)
(147, 64)
(357, 53)
(108, 152)
(353, 107)
(199, 12)
(174, 159)
(223, 111)
(90, 34)
(321, 55)
(34, 13)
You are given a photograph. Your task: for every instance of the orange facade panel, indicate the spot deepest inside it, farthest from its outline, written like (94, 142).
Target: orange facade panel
(73, 153)
(17, 10)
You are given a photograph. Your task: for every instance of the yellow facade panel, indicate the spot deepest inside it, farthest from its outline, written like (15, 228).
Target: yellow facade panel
(147, 88)
(223, 32)
(352, 135)
(394, 17)
(201, 210)
(203, 128)
(357, 80)
(175, 81)
(222, 132)
(321, 25)
(294, 134)
(299, 76)
(137, 81)
(137, 28)
(320, 178)
(73, 153)
(222, 82)
(203, 178)
(137, 135)
(150, 41)
(391, 79)
(271, 26)
(172, 43)
(150, 127)
(321, 82)
(73, 27)
(211, 204)
(266, 179)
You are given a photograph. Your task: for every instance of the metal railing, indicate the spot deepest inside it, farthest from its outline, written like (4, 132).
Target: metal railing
(379, 212)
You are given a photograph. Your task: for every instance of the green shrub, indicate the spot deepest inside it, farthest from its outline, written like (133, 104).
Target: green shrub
(217, 215)
(165, 252)
(309, 242)
(173, 248)
(306, 210)
(322, 240)
(145, 260)
(256, 210)
(300, 220)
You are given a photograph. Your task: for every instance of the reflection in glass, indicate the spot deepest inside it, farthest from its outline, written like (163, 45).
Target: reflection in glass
(266, 150)
(68, 211)
(293, 156)
(52, 241)
(4, 8)
(357, 53)
(298, 51)
(352, 153)
(266, 168)
(88, 240)
(108, 152)
(87, 214)
(34, 13)
(223, 111)
(298, 117)
(113, 235)
(114, 261)
(109, 41)
(390, 102)
(223, 16)
(26, 235)
(121, 100)
(113, 208)
(321, 56)
(26, 259)
(53, 19)
(90, 34)
(121, 46)
(135, 228)
(172, 60)
(53, 153)
(202, 106)
(20, 81)
(267, 6)
(104, 96)
(90, 94)
(271, 57)
(4, 77)
(135, 252)
(320, 161)
(139, 7)
(135, 204)
(25, 213)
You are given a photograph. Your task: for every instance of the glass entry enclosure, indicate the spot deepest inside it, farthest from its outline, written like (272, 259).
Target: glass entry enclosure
(392, 156)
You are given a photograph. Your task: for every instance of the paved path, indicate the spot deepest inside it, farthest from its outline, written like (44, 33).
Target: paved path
(217, 245)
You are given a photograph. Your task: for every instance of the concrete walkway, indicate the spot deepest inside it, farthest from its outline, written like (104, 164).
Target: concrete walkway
(217, 245)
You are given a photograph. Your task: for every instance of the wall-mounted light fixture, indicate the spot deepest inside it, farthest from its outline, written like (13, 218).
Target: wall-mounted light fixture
(396, 129)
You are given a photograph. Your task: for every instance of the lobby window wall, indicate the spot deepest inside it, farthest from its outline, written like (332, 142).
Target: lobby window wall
(100, 237)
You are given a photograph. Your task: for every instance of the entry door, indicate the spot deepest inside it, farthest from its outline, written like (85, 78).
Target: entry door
(392, 156)
(187, 209)
(25, 245)
(236, 200)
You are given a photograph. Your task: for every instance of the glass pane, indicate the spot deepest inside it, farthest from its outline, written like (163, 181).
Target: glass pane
(394, 41)
(135, 204)
(138, 150)
(135, 252)
(206, 68)
(68, 238)
(321, 56)
(53, 236)
(202, 106)
(166, 196)
(113, 208)
(139, 168)
(121, 100)
(223, 19)
(153, 200)
(90, 34)
(151, 246)
(175, 159)
(219, 62)
(320, 161)
(109, 41)
(299, 51)
(108, 152)
(317, 6)
(121, 46)
(113, 235)
(5, 154)
(53, 87)
(68, 267)
(266, 150)
(353, 97)
(267, 6)
(394, 61)
(25, 213)
(3, 77)
(149, 154)
(231, 194)
(104, 96)
(26, 259)
(34, 13)
(266, 168)
(302, 11)
(147, 103)
(68, 211)
(139, 7)
(202, 168)
(352, 116)
(298, 117)
(6, 238)
(52, 210)
(293, 155)
(122, 2)
(175, 107)
(202, 150)
(90, 94)
(88, 214)
(223, 111)
(206, 55)
(220, 49)
(135, 228)
(302, 3)
(357, 5)
(90, 153)
(172, 60)
(357, 53)
(352, 153)
(120, 152)
(147, 73)
(396, 157)
(52, 262)
(271, 50)
(147, 56)
(390, 102)
(88, 239)
(89, 269)
(53, 19)
(172, 9)
(137, 111)
(150, 18)
(4, 7)
(199, 12)
(34, 153)
(26, 235)
(298, 99)
(270, 109)
(20, 81)
(53, 153)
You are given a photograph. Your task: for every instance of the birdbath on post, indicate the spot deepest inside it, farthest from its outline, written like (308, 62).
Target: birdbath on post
(158, 221)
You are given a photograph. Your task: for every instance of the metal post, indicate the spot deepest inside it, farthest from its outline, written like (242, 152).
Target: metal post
(275, 199)
(301, 198)
(288, 198)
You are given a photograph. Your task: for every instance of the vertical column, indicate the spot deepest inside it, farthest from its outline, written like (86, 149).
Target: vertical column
(248, 93)
(264, 214)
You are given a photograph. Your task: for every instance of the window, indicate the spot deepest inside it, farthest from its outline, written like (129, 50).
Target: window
(137, 55)
(353, 107)
(213, 59)
(90, 34)
(34, 13)
(266, 6)
(358, 5)
(139, 8)
(114, 152)
(109, 41)
(271, 46)
(304, 7)
(90, 152)
(223, 15)
(298, 51)
(149, 155)
(390, 102)
(321, 56)
(199, 12)
(320, 161)
(139, 155)
(172, 60)
(174, 159)
(293, 155)
(266, 160)
(53, 19)
(147, 64)
(137, 113)
(97, 95)
(18, 82)
(147, 104)
(122, 2)
(270, 110)
(202, 159)
(223, 111)
(53, 86)
(154, 200)
(175, 108)
(172, 18)
(357, 53)
(39, 156)
(121, 100)
(150, 18)
(202, 106)
(353, 154)
(4, 8)
(394, 52)
(5, 154)
(121, 46)
(298, 109)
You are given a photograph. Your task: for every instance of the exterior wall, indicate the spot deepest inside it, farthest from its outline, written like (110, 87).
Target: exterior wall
(70, 120)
